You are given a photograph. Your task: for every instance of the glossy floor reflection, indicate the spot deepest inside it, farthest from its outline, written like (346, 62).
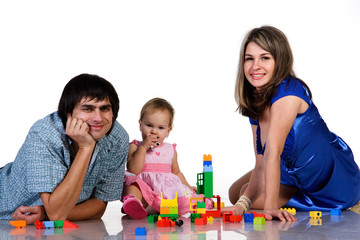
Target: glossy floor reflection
(115, 225)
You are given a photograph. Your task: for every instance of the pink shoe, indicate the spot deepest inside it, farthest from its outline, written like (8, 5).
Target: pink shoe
(133, 207)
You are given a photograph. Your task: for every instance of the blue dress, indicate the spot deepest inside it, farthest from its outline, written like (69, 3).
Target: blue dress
(316, 161)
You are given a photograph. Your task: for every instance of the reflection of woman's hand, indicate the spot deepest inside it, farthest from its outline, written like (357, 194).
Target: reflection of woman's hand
(236, 209)
(78, 131)
(281, 214)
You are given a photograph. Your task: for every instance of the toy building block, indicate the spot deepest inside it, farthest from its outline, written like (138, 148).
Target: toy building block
(165, 222)
(207, 157)
(140, 231)
(193, 203)
(235, 218)
(315, 214)
(153, 218)
(210, 219)
(215, 213)
(335, 212)
(18, 223)
(249, 217)
(201, 207)
(58, 224)
(68, 224)
(226, 216)
(221, 205)
(201, 221)
(257, 214)
(289, 210)
(193, 216)
(48, 224)
(259, 220)
(169, 207)
(39, 224)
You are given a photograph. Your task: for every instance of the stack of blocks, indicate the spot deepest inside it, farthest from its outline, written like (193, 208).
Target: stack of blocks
(169, 207)
(205, 179)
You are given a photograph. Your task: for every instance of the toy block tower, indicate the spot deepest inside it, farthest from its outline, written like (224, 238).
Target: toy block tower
(205, 179)
(169, 207)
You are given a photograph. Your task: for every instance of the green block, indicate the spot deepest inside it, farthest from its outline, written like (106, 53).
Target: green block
(259, 220)
(58, 224)
(208, 184)
(153, 218)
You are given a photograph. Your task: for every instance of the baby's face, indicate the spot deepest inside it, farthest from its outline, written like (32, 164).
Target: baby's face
(156, 124)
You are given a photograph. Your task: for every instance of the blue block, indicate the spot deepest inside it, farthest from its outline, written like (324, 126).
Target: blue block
(140, 231)
(336, 212)
(248, 217)
(207, 163)
(48, 224)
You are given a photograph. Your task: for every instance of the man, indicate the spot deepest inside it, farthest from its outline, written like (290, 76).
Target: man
(72, 161)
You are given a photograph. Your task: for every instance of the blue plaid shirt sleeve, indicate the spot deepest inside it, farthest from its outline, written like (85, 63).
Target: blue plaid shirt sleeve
(46, 159)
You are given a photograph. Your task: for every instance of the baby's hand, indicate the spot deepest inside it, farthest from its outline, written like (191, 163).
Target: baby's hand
(194, 189)
(150, 141)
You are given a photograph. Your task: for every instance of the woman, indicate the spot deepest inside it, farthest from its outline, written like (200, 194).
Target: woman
(299, 162)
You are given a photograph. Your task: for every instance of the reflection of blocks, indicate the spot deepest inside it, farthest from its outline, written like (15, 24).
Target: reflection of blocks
(259, 220)
(336, 212)
(315, 222)
(259, 227)
(248, 217)
(315, 214)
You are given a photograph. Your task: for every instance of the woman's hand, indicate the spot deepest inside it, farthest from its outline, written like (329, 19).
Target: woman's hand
(29, 214)
(236, 210)
(281, 214)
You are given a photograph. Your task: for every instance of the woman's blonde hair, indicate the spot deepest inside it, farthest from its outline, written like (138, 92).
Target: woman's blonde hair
(158, 104)
(252, 102)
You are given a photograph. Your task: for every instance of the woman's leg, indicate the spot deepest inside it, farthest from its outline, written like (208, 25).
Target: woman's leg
(285, 194)
(238, 187)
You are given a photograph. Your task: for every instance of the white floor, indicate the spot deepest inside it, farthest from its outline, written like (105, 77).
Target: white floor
(115, 225)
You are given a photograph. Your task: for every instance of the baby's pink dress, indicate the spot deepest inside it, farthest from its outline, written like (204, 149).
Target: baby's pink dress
(156, 177)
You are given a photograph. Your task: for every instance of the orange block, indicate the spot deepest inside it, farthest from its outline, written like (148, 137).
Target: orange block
(18, 223)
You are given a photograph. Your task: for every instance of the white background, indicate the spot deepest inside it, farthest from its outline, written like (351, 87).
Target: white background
(185, 51)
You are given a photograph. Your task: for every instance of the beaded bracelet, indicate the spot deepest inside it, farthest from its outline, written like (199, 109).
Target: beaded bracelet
(245, 202)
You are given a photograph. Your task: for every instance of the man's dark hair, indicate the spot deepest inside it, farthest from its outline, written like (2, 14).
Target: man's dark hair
(86, 86)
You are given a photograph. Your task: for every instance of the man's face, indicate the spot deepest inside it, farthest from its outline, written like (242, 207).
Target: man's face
(97, 114)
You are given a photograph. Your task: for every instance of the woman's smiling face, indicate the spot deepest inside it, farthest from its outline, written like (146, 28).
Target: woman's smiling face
(259, 65)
